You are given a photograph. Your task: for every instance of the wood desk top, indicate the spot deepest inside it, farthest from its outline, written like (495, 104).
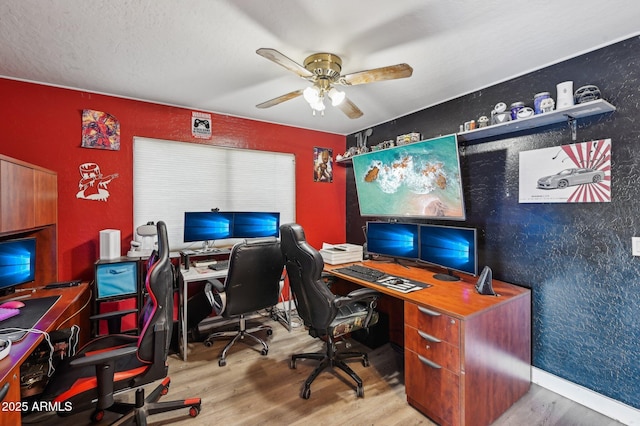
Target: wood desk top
(455, 298)
(72, 301)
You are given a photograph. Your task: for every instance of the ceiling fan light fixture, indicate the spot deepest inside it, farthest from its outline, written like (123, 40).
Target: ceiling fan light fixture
(311, 94)
(336, 96)
(318, 105)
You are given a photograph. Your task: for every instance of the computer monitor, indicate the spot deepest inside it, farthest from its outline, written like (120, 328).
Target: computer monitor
(449, 247)
(17, 263)
(207, 226)
(393, 239)
(255, 224)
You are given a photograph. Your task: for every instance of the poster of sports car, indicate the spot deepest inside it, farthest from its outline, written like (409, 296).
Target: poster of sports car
(576, 173)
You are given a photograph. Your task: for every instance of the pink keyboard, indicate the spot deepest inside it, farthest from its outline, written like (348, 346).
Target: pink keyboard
(6, 313)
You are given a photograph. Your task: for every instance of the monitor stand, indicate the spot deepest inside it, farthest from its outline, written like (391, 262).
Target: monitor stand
(390, 260)
(446, 277)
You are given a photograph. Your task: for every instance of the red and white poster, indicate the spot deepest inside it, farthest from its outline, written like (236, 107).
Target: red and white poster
(576, 173)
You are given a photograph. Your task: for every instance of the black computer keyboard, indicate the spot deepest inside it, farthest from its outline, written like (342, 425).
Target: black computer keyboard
(361, 272)
(403, 285)
(219, 265)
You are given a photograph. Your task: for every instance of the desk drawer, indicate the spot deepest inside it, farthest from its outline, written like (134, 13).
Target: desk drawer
(434, 323)
(433, 391)
(432, 348)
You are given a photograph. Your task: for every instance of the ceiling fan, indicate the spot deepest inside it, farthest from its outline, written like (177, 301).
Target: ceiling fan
(323, 70)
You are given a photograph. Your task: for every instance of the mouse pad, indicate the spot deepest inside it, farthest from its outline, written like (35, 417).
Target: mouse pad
(30, 314)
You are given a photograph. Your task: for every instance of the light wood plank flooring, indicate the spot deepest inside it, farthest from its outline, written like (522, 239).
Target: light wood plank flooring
(262, 390)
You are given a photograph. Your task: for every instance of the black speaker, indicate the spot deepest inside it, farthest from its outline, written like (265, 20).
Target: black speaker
(484, 286)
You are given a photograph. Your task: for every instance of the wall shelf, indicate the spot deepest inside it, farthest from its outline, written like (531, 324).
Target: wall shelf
(570, 114)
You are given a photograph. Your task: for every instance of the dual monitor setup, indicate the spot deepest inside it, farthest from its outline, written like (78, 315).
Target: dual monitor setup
(449, 247)
(218, 225)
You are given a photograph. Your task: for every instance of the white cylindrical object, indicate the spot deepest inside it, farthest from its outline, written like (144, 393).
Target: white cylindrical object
(565, 94)
(109, 244)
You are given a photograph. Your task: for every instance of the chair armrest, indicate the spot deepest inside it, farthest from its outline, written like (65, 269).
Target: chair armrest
(359, 295)
(217, 285)
(114, 319)
(104, 371)
(214, 291)
(114, 314)
(103, 357)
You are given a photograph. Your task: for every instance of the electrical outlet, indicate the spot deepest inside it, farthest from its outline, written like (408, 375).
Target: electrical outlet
(635, 246)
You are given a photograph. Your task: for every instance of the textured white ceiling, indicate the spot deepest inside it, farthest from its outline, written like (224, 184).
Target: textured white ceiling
(200, 54)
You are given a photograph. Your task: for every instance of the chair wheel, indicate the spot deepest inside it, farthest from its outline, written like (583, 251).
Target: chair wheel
(269, 332)
(208, 343)
(264, 351)
(305, 393)
(360, 392)
(194, 410)
(222, 362)
(97, 416)
(292, 364)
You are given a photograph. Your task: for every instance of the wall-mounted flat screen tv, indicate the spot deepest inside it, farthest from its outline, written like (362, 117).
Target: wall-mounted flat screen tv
(420, 179)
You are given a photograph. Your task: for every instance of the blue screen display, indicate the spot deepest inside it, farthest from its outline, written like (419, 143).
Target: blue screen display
(393, 239)
(255, 224)
(450, 247)
(206, 226)
(17, 262)
(116, 279)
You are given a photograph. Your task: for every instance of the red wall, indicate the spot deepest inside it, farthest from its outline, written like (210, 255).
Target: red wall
(42, 125)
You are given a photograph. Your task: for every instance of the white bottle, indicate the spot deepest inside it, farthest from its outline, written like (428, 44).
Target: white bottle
(565, 94)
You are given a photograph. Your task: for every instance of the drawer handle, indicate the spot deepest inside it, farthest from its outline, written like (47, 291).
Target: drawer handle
(429, 312)
(428, 362)
(429, 337)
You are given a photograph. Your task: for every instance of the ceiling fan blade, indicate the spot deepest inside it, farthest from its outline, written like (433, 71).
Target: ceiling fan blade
(280, 99)
(350, 109)
(277, 57)
(391, 72)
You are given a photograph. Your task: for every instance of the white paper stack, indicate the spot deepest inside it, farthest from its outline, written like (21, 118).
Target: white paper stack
(334, 254)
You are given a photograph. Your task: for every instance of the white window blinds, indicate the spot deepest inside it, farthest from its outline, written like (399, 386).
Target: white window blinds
(170, 178)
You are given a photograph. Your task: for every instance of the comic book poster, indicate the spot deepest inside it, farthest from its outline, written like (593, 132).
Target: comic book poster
(100, 130)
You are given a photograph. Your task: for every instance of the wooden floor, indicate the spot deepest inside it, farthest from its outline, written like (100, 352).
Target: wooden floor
(262, 390)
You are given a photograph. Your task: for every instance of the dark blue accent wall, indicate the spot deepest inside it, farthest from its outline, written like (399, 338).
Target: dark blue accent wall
(576, 258)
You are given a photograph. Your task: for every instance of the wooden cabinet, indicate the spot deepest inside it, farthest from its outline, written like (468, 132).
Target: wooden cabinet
(467, 370)
(28, 196)
(29, 208)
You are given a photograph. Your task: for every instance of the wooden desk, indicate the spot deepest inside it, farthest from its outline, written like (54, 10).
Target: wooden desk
(467, 356)
(71, 309)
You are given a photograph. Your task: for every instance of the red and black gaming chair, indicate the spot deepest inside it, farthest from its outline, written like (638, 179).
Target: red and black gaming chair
(118, 362)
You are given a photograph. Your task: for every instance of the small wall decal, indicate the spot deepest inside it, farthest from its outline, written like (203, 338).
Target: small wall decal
(201, 125)
(93, 184)
(322, 164)
(100, 130)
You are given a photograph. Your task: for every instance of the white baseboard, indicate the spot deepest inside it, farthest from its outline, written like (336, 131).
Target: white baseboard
(609, 407)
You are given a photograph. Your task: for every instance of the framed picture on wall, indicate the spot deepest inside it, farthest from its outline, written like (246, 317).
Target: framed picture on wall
(576, 173)
(322, 164)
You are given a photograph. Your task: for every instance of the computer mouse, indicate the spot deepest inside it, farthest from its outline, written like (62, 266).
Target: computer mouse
(12, 304)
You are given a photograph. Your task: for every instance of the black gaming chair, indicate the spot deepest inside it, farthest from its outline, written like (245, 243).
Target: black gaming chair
(326, 315)
(252, 284)
(113, 363)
